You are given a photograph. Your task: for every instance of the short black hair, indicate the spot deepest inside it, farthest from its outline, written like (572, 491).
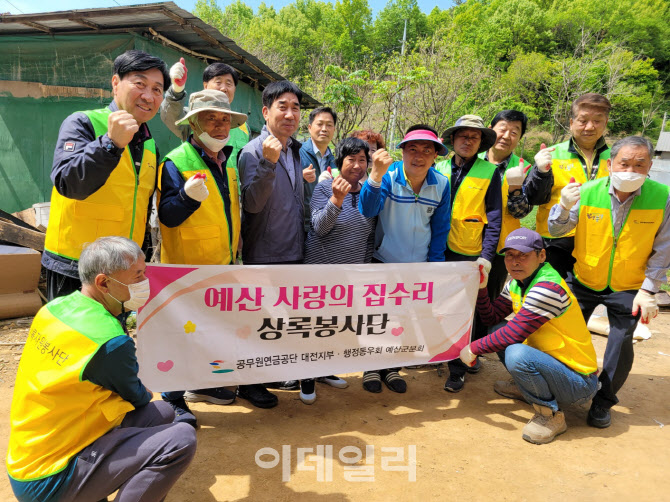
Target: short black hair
(350, 146)
(273, 91)
(219, 69)
(322, 109)
(134, 60)
(420, 127)
(511, 116)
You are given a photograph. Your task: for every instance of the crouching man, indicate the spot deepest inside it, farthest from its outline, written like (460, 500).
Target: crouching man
(546, 347)
(82, 424)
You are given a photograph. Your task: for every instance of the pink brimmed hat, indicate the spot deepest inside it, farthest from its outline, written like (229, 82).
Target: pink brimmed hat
(424, 135)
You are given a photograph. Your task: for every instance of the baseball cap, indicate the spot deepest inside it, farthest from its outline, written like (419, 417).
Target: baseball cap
(524, 240)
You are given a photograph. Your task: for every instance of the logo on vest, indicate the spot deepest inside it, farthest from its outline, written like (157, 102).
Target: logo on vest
(638, 222)
(596, 217)
(474, 187)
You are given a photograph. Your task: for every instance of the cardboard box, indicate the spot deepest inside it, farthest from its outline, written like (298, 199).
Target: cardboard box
(19, 276)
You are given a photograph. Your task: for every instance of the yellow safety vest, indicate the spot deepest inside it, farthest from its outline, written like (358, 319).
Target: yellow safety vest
(55, 414)
(119, 207)
(564, 337)
(468, 210)
(616, 261)
(206, 237)
(565, 165)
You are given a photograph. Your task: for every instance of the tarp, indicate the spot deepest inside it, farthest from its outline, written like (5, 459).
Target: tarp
(29, 125)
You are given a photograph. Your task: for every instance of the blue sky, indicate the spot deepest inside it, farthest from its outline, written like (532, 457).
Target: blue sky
(33, 6)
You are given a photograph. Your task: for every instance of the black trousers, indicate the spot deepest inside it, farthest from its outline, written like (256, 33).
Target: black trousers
(60, 285)
(559, 254)
(618, 359)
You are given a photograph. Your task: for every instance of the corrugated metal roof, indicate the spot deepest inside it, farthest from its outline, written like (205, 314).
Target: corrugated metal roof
(663, 144)
(163, 22)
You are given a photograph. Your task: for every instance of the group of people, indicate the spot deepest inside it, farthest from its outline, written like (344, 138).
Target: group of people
(602, 238)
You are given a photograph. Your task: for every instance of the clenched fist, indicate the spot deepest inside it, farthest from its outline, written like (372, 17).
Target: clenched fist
(381, 160)
(309, 174)
(570, 194)
(121, 127)
(178, 74)
(271, 149)
(341, 188)
(543, 158)
(195, 188)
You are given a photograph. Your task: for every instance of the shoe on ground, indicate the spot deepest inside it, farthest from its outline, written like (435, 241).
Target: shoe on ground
(258, 395)
(508, 388)
(308, 391)
(544, 426)
(475, 369)
(599, 417)
(182, 413)
(285, 385)
(395, 382)
(217, 395)
(372, 381)
(334, 381)
(454, 383)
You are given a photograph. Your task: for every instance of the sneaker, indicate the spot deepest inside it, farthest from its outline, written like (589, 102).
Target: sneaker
(454, 383)
(599, 417)
(372, 381)
(475, 369)
(285, 385)
(308, 391)
(182, 413)
(334, 381)
(395, 382)
(217, 395)
(508, 388)
(544, 426)
(257, 395)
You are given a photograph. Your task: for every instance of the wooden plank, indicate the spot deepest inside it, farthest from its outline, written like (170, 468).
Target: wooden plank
(21, 236)
(17, 221)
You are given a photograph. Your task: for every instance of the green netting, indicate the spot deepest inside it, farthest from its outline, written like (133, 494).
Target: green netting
(29, 126)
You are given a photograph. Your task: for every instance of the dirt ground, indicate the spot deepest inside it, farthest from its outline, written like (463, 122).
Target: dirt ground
(468, 445)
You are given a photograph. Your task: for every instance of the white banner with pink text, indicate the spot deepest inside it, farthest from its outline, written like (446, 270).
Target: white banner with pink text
(210, 326)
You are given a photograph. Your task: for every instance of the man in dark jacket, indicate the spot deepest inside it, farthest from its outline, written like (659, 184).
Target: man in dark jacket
(98, 155)
(273, 196)
(315, 155)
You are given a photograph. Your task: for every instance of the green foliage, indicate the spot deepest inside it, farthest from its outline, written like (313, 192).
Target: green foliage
(479, 56)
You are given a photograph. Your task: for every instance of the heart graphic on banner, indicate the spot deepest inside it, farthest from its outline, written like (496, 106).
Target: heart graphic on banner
(166, 366)
(397, 331)
(243, 332)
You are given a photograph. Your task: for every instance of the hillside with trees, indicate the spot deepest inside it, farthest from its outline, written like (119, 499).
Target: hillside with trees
(478, 56)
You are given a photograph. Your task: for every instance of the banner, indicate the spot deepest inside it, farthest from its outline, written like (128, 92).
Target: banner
(211, 325)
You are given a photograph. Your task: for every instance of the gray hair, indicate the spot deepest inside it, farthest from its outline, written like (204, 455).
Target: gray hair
(632, 141)
(107, 255)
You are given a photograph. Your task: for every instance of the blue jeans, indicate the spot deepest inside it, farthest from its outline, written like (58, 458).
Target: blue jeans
(546, 381)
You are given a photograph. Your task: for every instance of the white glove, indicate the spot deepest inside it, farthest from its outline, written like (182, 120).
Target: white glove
(485, 263)
(325, 176)
(516, 175)
(195, 188)
(543, 159)
(178, 76)
(570, 194)
(646, 302)
(467, 356)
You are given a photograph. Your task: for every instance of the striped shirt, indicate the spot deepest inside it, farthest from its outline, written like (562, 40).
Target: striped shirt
(338, 235)
(543, 302)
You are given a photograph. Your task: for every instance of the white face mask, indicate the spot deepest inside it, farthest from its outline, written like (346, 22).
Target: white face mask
(213, 144)
(139, 294)
(627, 182)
